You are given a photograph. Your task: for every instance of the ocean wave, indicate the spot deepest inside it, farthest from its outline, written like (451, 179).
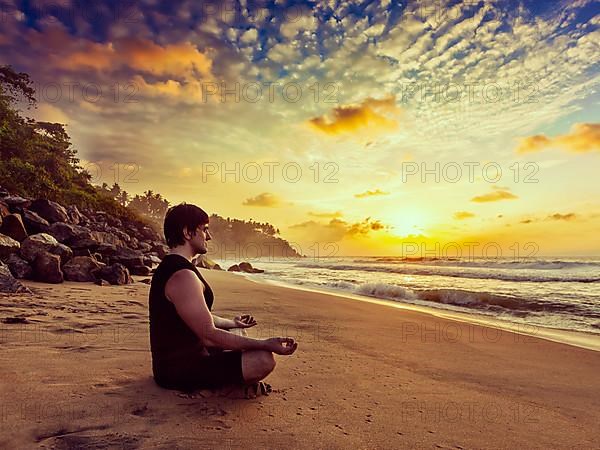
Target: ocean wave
(471, 299)
(385, 291)
(535, 264)
(466, 272)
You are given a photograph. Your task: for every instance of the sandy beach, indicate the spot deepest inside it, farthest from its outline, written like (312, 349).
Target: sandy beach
(77, 374)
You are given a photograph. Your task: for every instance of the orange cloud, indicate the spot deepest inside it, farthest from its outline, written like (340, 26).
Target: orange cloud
(337, 229)
(374, 116)
(567, 217)
(371, 193)
(495, 196)
(181, 60)
(582, 138)
(265, 199)
(461, 215)
(557, 216)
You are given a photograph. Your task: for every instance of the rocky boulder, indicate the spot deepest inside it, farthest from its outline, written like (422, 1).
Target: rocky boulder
(10, 284)
(80, 268)
(148, 234)
(150, 260)
(75, 216)
(144, 247)
(14, 201)
(13, 226)
(33, 222)
(43, 242)
(84, 246)
(4, 209)
(65, 232)
(247, 267)
(160, 249)
(49, 210)
(140, 270)
(129, 258)
(234, 268)
(105, 237)
(19, 267)
(115, 274)
(46, 268)
(8, 246)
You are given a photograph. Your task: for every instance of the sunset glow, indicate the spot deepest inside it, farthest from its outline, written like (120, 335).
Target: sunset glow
(465, 120)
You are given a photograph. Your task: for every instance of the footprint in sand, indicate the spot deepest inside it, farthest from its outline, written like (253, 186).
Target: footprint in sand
(84, 438)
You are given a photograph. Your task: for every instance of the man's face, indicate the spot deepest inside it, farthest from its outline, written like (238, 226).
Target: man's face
(199, 242)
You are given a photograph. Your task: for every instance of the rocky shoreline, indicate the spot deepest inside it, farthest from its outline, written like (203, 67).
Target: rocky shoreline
(44, 241)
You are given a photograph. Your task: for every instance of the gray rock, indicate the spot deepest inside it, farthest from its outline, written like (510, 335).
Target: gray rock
(75, 216)
(150, 260)
(19, 267)
(10, 284)
(144, 247)
(64, 251)
(66, 233)
(33, 222)
(43, 242)
(14, 201)
(129, 258)
(4, 209)
(160, 249)
(80, 268)
(123, 236)
(49, 210)
(245, 267)
(8, 246)
(105, 237)
(83, 246)
(13, 226)
(140, 270)
(115, 274)
(46, 268)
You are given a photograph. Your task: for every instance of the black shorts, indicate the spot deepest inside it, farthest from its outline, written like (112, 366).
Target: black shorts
(221, 368)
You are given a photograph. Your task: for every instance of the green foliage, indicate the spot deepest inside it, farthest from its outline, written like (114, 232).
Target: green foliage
(37, 158)
(258, 239)
(150, 205)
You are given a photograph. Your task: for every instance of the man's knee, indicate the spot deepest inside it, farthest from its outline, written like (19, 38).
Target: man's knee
(267, 361)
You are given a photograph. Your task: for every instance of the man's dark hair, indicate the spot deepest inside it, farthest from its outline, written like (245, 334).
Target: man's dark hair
(180, 216)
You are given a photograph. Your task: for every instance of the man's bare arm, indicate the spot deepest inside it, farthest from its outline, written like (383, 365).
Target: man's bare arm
(223, 324)
(185, 291)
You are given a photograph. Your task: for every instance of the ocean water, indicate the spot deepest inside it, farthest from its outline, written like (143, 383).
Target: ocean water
(562, 293)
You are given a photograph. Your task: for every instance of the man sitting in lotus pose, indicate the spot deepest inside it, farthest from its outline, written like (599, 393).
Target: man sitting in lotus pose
(191, 347)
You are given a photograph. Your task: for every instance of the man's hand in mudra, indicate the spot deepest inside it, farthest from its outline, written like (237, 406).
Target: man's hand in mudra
(244, 321)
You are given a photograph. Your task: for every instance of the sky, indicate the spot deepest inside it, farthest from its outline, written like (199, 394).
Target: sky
(429, 128)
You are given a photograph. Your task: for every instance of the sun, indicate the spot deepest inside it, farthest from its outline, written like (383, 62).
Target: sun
(409, 221)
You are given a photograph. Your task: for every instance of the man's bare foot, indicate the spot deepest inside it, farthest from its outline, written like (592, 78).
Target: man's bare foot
(256, 389)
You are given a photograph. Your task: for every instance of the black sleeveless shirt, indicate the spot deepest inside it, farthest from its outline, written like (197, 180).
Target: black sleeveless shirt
(171, 339)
